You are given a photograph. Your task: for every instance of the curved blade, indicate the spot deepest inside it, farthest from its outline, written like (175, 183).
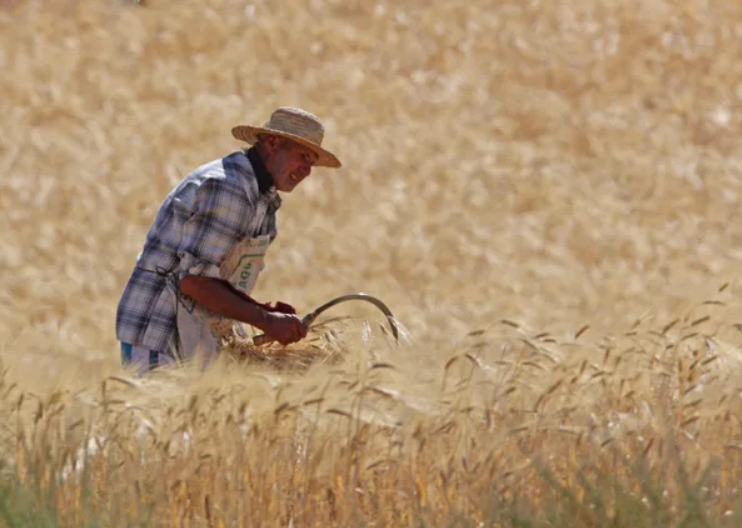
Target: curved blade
(310, 317)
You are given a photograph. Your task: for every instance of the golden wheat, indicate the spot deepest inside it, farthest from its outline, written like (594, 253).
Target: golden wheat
(512, 172)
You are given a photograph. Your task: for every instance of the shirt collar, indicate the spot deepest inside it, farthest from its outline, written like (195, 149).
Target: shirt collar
(265, 179)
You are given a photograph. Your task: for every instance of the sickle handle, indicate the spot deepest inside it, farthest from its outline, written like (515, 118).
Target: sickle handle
(263, 339)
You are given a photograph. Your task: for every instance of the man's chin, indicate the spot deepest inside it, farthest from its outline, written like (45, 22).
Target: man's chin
(286, 189)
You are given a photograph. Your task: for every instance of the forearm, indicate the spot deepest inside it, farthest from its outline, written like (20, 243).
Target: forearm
(219, 297)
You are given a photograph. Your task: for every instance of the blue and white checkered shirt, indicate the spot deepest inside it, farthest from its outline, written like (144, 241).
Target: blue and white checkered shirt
(199, 222)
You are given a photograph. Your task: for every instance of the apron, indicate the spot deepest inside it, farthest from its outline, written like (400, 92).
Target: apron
(200, 331)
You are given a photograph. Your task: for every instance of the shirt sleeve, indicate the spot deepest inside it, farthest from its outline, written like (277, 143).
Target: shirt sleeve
(216, 224)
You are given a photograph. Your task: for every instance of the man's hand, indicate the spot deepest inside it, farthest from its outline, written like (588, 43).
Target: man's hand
(281, 307)
(284, 328)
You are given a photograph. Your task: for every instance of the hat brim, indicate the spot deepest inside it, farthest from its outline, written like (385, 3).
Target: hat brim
(250, 134)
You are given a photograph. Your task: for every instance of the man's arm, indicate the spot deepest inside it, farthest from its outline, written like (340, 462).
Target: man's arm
(215, 223)
(219, 297)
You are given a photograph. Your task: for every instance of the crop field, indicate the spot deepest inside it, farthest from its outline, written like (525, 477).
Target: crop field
(546, 194)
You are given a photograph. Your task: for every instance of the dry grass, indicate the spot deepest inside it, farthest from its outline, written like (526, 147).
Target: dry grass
(544, 193)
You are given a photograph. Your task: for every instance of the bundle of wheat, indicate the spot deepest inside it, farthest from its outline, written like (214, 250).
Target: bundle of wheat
(321, 348)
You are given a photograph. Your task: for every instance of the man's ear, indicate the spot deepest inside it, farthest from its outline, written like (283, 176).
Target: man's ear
(272, 143)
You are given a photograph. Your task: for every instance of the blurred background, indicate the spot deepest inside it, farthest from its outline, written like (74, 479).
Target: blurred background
(554, 164)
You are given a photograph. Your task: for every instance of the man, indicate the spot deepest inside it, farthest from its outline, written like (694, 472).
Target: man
(205, 249)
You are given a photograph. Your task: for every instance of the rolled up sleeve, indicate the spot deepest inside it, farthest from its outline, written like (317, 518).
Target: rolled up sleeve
(216, 224)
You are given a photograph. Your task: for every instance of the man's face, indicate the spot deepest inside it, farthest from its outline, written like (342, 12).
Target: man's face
(289, 163)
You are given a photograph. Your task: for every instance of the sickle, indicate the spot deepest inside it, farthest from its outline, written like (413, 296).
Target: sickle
(310, 317)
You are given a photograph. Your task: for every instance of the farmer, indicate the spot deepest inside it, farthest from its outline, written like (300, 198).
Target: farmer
(191, 283)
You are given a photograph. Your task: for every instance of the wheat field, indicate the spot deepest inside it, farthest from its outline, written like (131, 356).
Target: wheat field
(545, 194)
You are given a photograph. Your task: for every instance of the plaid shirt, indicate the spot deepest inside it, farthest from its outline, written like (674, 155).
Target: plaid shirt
(200, 221)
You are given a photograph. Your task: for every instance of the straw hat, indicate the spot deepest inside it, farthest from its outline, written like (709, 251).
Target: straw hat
(295, 124)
